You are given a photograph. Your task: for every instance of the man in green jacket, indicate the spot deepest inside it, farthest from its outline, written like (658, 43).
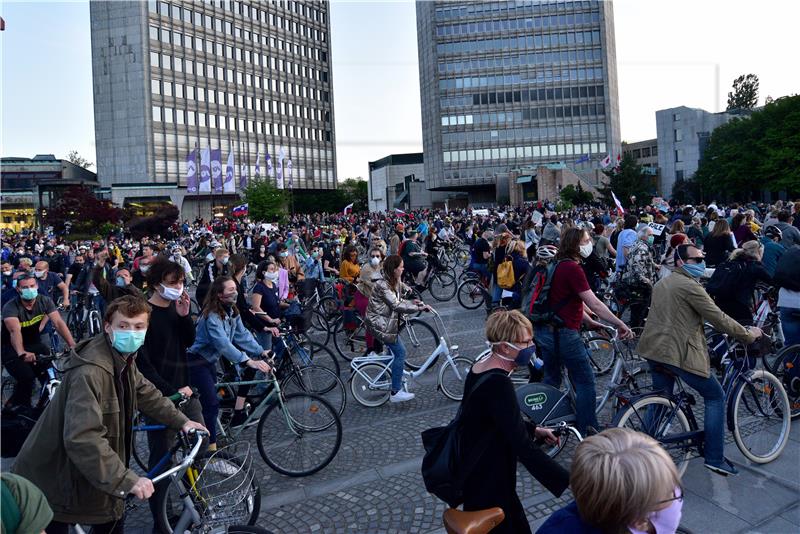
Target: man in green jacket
(674, 340)
(78, 452)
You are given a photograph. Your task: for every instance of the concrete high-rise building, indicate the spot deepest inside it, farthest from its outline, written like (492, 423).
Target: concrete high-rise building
(515, 83)
(249, 77)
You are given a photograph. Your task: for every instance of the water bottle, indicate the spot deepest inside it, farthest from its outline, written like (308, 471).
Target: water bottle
(537, 363)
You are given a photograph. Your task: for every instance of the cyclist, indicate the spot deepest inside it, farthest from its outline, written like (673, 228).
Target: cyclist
(674, 340)
(626, 239)
(21, 340)
(413, 257)
(787, 277)
(122, 281)
(481, 252)
(733, 282)
(773, 248)
(48, 282)
(220, 332)
(383, 319)
(640, 274)
(213, 269)
(370, 273)
(79, 450)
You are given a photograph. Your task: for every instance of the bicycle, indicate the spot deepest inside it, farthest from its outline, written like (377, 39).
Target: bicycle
(209, 493)
(472, 291)
(371, 377)
(786, 366)
(755, 402)
(83, 319)
(551, 407)
(440, 283)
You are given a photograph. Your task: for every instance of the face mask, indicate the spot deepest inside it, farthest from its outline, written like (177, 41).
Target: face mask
(225, 260)
(524, 355)
(121, 282)
(231, 298)
(271, 276)
(171, 293)
(39, 274)
(374, 261)
(695, 270)
(127, 341)
(666, 520)
(338, 250)
(315, 254)
(650, 239)
(586, 250)
(6, 273)
(29, 293)
(284, 254)
(144, 268)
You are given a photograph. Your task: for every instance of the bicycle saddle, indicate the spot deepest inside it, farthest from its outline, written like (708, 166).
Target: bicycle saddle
(480, 522)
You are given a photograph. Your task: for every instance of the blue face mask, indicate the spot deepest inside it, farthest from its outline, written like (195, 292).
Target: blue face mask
(524, 356)
(120, 281)
(128, 341)
(695, 270)
(29, 293)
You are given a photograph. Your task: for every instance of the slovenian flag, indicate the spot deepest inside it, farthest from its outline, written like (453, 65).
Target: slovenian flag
(241, 210)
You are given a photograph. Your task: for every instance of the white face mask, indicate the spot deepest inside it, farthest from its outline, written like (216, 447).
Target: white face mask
(171, 293)
(586, 250)
(39, 274)
(271, 276)
(374, 261)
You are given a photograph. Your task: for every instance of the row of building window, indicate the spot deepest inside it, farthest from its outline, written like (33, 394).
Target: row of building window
(211, 120)
(538, 58)
(547, 40)
(537, 77)
(532, 95)
(506, 25)
(552, 112)
(510, 8)
(198, 68)
(197, 18)
(219, 50)
(246, 146)
(200, 94)
(592, 130)
(520, 152)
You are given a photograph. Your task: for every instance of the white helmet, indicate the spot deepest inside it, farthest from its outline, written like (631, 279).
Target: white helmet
(546, 252)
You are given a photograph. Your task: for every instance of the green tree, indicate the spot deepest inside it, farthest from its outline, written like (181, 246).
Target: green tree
(627, 180)
(576, 195)
(745, 92)
(265, 201)
(755, 153)
(686, 191)
(77, 159)
(355, 191)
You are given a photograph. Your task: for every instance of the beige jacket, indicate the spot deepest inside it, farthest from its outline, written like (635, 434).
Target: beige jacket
(674, 330)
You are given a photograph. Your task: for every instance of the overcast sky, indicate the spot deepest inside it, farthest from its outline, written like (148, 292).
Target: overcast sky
(669, 53)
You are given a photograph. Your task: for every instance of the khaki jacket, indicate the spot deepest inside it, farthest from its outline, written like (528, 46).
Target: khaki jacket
(383, 311)
(77, 453)
(674, 333)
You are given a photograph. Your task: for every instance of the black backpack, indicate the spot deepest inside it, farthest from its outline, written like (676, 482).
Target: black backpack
(539, 310)
(726, 278)
(444, 467)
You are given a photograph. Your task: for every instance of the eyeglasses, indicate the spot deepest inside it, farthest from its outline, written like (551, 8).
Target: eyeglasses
(674, 497)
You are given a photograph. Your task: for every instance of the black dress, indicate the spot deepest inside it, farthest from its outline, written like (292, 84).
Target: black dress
(493, 411)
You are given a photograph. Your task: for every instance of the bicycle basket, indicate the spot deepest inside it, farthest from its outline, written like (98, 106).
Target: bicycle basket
(226, 489)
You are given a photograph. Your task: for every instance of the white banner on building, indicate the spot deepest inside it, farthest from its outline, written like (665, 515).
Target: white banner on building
(205, 170)
(228, 185)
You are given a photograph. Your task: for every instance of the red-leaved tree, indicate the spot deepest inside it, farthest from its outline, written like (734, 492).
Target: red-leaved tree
(80, 207)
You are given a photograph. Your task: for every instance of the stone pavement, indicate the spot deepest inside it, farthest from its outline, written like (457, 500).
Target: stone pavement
(374, 483)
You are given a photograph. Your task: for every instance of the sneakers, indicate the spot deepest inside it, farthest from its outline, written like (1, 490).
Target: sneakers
(401, 396)
(725, 469)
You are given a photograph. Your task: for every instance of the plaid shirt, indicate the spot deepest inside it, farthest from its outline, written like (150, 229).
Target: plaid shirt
(641, 269)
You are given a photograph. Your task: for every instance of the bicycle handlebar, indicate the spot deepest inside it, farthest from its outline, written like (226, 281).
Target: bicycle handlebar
(188, 460)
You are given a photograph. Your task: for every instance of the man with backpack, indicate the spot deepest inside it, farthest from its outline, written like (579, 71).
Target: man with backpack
(556, 309)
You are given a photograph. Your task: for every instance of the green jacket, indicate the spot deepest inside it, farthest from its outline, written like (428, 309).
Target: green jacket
(674, 333)
(77, 453)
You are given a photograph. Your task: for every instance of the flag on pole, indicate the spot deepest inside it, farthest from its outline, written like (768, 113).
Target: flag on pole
(398, 210)
(289, 172)
(268, 161)
(582, 159)
(619, 161)
(216, 170)
(191, 172)
(243, 177)
(618, 203)
(606, 161)
(258, 165)
(348, 209)
(228, 186)
(241, 210)
(205, 170)
(279, 176)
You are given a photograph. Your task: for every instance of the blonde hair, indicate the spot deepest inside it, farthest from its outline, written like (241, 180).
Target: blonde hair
(504, 325)
(751, 249)
(619, 476)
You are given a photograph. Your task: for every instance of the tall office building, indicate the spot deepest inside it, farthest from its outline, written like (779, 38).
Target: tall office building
(512, 84)
(175, 78)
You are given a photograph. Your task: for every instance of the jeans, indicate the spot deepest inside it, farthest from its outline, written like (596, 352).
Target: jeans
(497, 292)
(790, 322)
(264, 339)
(203, 376)
(399, 353)
(573, 355)
(714, 402)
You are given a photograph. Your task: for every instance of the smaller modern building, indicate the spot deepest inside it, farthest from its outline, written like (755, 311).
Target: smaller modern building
(683, 134)
(398, 182)
(646, 154)
(31, 185)
(545, 182)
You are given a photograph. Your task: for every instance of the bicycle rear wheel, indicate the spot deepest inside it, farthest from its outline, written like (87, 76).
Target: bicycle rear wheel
(350, 342)
(420, 340)
(442, 285)
(657, 417)
(785, 365)
(471, 294)
(371, 384)
(452, 377)
(307, 353)
(760, 416)
(299, 435)
(318, 380)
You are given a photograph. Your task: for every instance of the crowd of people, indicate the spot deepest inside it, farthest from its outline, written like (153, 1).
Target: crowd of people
(151, 348)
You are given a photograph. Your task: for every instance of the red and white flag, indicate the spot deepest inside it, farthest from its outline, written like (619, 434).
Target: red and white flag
(606, 161)
(348, 209)
(618, 203)
(398, 210)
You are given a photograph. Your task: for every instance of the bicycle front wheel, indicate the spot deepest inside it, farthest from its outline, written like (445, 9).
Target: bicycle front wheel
(470, 294)
(317, 380)
(760, 416)
(350, 342)
(420, 340)
(658, 417)
(371, 384)
(443, 285)
(601, 354)
(299, 435)
(452, 377)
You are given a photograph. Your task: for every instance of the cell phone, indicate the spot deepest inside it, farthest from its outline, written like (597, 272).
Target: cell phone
(260, 313)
